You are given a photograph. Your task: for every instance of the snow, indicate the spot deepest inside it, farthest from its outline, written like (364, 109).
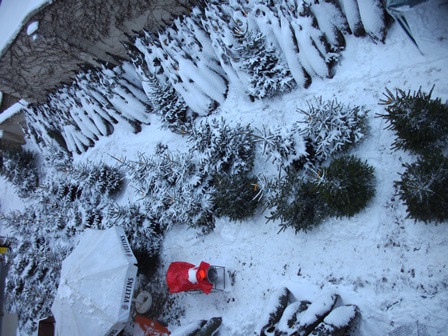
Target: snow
(319, 307)
(13, 15)
(371, 14)
(351, 12)
(188, 329)
(340, 316)
(192, 275)
(288, 315)
(392, 268)
(32, 27)
(12, 110)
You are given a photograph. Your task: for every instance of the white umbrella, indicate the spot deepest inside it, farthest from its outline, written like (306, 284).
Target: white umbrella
(96, 286)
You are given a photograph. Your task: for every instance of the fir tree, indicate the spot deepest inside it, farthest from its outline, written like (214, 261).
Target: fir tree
(423, 188)
(331, 22)
(182, 54)
(235, 196)
(19, 167)
(75, 116)
(99, 179)
(103, 121)
(310, 45)
(77, 135)
(220, 148)
(351, 12)
(268, 76)
(121, 94)
(137, 59)
(64, 205)
(144, 235)
(332, 127)
(283, 145)
(42, 130)
(34, 266)
(296, 203)
(373, 17)
(167, 104)
(315, 54)
(418, 121)
(346, 185)
(172, 189)
(56, 157)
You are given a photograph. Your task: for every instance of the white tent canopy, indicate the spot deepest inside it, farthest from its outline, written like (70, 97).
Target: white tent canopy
(96, 287)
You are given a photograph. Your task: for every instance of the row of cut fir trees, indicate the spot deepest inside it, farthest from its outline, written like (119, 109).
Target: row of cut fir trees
(184, 70)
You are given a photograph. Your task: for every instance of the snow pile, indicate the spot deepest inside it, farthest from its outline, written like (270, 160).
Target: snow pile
(32, 27)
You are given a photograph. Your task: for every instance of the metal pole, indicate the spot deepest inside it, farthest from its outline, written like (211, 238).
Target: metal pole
(2, 292)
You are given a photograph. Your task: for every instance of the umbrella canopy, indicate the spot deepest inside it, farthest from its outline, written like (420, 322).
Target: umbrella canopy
(96, 287)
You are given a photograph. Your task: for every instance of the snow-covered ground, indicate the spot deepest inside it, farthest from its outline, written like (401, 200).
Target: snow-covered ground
(394, 269)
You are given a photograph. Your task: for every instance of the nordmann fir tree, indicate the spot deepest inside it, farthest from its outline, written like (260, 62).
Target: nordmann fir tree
(423, 188)
(235, 196)
(220, 148)
(268, 75)
(419, 122)
(346, 185)
(169, 106)
(19, 167)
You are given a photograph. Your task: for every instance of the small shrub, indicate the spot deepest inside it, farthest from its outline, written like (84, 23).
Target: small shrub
(423, 188)
(346, 185)
(234, 196)
(419, 122)
(332, 127)
(296, 204)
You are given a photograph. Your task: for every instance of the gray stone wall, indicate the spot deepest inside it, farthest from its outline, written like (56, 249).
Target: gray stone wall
(72, 32)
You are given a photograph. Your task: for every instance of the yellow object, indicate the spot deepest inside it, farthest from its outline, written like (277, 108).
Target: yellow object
(3, 250)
